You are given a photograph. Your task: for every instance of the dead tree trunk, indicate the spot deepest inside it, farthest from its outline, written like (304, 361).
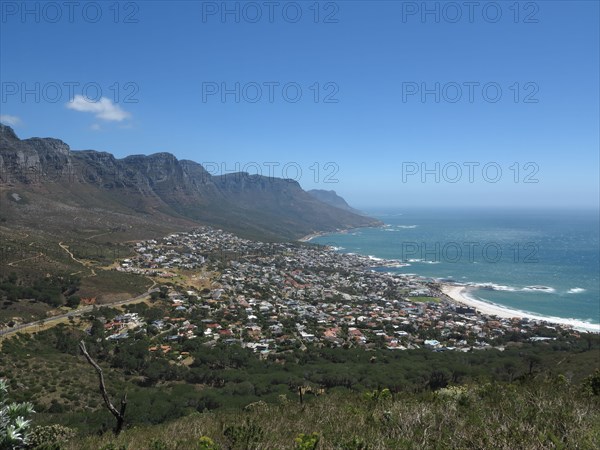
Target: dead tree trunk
(301, 392)
(119, 415)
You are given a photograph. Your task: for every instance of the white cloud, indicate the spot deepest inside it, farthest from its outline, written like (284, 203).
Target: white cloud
(103, 109)
(95, 127)
(12, 121)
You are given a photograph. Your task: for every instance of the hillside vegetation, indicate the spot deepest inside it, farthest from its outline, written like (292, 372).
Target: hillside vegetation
(533, 396)
(535, 413)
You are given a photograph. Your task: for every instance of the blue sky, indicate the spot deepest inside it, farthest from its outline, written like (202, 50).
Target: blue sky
(154, 73)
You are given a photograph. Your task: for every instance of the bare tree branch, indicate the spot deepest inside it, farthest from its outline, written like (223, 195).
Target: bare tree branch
(119, 415)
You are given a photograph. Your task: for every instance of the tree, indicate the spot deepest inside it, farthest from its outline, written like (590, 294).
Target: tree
(532, 361)
(438, 379)
(119, 414)
(73, 301)
(14, 425)
(592, 383)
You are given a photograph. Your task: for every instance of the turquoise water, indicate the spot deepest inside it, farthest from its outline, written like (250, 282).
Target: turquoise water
(541, 262)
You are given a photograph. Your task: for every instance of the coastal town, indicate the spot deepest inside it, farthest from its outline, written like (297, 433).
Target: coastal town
(270, 297)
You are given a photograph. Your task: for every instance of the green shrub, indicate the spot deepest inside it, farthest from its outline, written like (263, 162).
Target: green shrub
(158, 444)
(378, 395)
(245, 437)
(458, 394)
(307, 441)
(51, 436)
(591, 385)
(206, 443)
(354, 444)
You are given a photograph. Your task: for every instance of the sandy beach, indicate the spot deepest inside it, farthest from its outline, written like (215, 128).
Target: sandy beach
(460, 294)
(317, 234)
(310, 237)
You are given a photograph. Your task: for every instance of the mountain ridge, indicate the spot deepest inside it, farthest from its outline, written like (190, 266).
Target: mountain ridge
(157, 187)
(333, 199)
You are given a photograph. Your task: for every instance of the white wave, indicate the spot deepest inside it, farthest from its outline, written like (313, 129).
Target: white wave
(576, 290)
(494, 287)
(396, 264)
(407, 227)
(487, 307)
(501, 287)
(539, 289)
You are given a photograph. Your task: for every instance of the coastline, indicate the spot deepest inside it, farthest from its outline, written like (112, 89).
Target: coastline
(310, 237)
(460, 294)
(316, 234)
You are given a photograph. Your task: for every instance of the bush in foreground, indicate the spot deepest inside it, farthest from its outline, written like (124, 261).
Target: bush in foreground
(14, 425)
(533, 414)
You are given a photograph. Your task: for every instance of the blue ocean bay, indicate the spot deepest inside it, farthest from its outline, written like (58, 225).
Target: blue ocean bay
(543, 262)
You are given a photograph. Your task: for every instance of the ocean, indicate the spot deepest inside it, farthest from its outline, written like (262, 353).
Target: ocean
(541, 262)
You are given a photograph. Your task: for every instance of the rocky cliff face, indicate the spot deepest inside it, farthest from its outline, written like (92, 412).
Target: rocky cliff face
(247, 204)
(26, 160)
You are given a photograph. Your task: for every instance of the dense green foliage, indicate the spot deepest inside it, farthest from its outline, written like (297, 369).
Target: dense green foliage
(53, 290)
(540, 412)
(47, 369)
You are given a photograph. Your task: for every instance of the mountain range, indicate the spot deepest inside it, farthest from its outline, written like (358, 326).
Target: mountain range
(45, 184)
(333, 199)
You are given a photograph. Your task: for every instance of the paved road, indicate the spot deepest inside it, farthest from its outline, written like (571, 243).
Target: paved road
(77, 312)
